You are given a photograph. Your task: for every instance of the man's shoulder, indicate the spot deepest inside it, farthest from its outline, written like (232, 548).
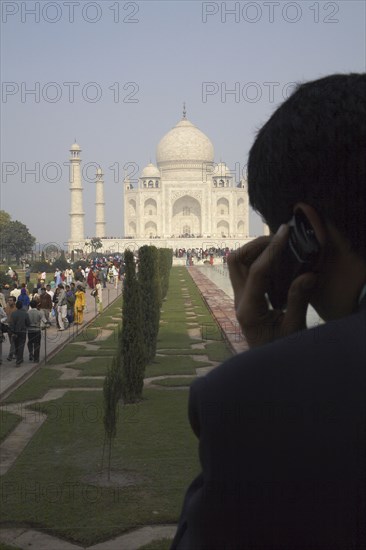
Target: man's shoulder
(306, 355)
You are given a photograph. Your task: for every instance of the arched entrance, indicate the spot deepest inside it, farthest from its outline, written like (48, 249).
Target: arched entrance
(186, 217)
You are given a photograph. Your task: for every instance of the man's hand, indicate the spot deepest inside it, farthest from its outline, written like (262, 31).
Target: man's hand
(250, 269)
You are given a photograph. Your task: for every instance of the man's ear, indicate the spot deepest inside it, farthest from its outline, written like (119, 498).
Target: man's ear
(314, 220)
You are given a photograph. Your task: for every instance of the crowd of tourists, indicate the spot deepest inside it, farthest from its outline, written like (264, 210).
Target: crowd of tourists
(61, 302)
(202, 255)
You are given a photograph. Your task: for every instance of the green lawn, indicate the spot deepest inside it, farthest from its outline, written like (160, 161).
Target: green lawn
(8, 421)
(45, 379)
(173, 365)
(51, 485)
(55, 483)
(175, 382)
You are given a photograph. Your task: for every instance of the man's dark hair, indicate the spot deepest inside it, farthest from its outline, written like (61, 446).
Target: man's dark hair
(313, 149)
(19, 305)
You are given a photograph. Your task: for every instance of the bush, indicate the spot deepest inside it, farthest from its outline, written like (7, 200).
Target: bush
(61, 264)
(5, 279)
(42, 266)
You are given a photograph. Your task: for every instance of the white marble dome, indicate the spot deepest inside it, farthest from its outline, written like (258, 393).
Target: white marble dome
(150, 171)
(185, 143)
(75, 147)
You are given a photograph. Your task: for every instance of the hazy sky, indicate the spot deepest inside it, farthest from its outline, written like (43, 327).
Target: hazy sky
(114, 76)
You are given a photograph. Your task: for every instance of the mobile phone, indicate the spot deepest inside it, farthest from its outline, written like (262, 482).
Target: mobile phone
(299, 256)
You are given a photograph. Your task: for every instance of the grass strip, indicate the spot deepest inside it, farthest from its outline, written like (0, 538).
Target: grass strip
(8, 421)
(45, 379)
(173, 365)
(175, 382)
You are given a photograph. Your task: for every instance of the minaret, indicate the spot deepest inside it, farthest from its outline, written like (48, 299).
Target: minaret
(76, 188)
(99, 205)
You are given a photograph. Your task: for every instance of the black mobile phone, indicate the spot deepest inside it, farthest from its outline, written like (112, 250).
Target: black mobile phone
(299, 256)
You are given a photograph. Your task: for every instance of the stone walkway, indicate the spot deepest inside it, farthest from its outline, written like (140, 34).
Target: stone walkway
(11, 377)
(221, 307)
(30, 539)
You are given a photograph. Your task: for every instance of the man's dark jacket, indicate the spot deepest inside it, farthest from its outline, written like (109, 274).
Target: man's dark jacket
(19, 321)
(282, 442)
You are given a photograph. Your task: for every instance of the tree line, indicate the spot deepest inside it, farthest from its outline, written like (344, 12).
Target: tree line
(16, 240)
(143, 293)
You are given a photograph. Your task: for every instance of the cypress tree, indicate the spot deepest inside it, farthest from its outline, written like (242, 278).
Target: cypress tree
(165, 264)
(132, 345)
(149, 282)
(112, 394)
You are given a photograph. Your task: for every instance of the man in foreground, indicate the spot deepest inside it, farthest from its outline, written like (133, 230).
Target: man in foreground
(281, 427)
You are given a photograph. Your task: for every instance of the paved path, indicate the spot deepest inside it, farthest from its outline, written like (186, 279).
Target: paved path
(220, 303)
(11, 376)
(39, 540)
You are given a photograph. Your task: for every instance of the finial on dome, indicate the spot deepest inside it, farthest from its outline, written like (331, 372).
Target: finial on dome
(184, 111)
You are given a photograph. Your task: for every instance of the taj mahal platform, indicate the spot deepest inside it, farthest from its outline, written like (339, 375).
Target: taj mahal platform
(119, 245)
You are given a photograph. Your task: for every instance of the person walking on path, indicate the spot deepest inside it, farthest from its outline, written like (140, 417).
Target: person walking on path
(19, 321)
(79, 305)
(3, 320)
(115, 276)
(70, 297)
(23, 298)
(45, 303)
(57, 277)
(34, 332)
(91, 278)
(9, 308)
(98, 296)
(79, 275)
(69, 274)
(61, 306)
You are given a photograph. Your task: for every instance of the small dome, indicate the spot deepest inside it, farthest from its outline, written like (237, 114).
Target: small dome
(184, 143)
(150, 171)
(75, 147)
(221, 171)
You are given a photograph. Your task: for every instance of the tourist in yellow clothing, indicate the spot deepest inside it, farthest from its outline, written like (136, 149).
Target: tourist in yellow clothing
(79, 305)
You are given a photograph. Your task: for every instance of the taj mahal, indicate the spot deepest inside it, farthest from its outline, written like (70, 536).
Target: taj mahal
(185, 200)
